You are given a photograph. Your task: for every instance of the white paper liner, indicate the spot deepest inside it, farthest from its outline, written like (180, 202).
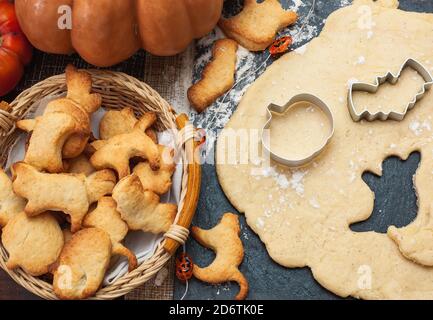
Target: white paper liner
(143, 244)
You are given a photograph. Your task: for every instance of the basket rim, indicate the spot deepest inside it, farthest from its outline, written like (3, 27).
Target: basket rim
(56, 84)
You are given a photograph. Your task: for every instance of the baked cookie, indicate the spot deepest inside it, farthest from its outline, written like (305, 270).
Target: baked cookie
(141, 209)
(79, 84)
(256, 26)
(80, 164)
(99, 184)
(64, 128)
(116, 152)
(67, 235)
(224, 240)
(76, 143)
(50, 133)
(115, 122)
(217, 77)
(33, 243)
(69, 193)
(158, 181)
(107, 218)
(10, 203)
(82, 264)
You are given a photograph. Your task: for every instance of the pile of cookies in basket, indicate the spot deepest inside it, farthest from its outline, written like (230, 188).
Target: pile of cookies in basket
(72, 199)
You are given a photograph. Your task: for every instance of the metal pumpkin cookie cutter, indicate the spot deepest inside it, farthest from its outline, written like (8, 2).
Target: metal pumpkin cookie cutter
(304, 97)
(392, 79)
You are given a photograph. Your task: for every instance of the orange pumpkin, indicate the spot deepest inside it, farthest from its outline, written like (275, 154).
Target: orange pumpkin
(106, 32)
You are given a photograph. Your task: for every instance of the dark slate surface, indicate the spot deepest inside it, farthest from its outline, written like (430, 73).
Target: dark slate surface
(395, 204)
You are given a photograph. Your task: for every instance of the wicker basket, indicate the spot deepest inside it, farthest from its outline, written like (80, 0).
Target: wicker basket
(117, 90)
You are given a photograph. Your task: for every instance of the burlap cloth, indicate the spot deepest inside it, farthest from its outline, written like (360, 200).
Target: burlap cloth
(169, 76)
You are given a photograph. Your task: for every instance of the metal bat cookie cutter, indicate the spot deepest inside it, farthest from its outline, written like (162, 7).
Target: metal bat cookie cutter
(304, 97)
(392, 79)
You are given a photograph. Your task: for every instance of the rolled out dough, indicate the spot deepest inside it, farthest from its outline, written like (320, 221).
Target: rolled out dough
(303, 215)
(300, 131)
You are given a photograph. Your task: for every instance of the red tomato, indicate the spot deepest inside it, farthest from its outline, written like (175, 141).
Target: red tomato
(15, 50)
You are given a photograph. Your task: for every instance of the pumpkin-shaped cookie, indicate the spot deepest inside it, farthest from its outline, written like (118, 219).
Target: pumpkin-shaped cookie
(33, 243)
